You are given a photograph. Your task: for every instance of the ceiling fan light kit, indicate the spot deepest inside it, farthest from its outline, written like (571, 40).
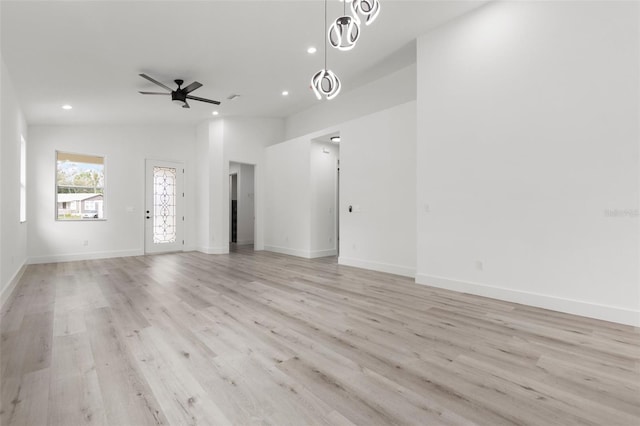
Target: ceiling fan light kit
(343, 34)
(178, 96)
(181, 94)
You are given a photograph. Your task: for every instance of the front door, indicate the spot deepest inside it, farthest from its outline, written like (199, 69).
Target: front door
(164, 196)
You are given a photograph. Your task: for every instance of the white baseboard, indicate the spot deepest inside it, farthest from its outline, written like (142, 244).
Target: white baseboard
(213, 250)
(6, 293)
(84, 256)
(322, 253)
(291, 252)
(244, 242)
(405, 271)
(576, 307)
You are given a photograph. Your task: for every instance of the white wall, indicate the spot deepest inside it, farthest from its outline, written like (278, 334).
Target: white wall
(202, 187)
(527, 136)
(378, 178)
(287, 198)
(125, 149)
(218, 237)
(13, 234)
(323, 187)
(393, 89)
(206, 151)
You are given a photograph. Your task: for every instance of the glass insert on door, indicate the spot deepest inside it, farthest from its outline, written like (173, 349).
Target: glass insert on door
(164, 205)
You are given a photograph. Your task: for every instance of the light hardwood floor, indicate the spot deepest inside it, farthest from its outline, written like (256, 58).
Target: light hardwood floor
(260, 338)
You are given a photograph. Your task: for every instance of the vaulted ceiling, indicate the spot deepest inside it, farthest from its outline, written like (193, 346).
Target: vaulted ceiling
(88, 54)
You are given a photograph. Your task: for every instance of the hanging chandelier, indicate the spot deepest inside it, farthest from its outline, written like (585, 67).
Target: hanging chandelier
(325, 82)
(342, 35)
(345, 31)
(369, 9)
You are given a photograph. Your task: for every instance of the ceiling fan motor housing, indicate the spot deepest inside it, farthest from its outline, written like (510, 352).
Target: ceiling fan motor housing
(178, 96)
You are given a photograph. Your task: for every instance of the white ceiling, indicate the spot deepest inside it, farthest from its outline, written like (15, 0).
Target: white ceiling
(89, 54)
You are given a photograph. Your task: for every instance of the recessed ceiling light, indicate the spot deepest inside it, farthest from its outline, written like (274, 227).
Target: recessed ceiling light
(285, 93)
(312, 50)
(215, 113)
(67, 107)
(335, 138)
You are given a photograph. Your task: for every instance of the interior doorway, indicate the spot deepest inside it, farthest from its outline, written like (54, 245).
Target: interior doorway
(325, 193)
(233, 204)
(242, 214)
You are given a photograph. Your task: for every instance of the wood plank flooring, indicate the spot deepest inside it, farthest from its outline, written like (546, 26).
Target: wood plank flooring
(254, 338)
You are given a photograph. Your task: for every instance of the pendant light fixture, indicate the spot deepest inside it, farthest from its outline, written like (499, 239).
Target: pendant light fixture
(367, 8)
(325, 82)
(345, 31)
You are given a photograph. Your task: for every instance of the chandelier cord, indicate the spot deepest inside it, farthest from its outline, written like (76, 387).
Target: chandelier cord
(325, 33)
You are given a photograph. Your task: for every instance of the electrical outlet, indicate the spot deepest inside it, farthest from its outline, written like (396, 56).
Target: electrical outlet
(479, 265)
(85, 243)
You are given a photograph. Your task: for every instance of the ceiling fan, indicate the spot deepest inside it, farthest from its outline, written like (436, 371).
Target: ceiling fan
(181, 94)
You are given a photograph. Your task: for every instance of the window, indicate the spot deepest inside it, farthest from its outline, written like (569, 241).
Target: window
(23, 180)
(79, 186)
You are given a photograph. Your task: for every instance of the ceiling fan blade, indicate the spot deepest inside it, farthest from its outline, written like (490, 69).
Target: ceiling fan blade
(186, 105)
(195, 98)
(154, 93)
(193, 86)
(155, 82)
